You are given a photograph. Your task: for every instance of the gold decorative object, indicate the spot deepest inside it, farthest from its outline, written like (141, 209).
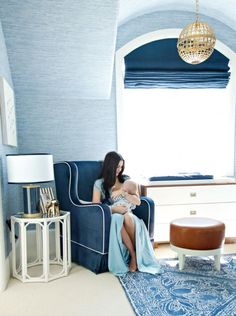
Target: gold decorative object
(53, 209)
(196, 41)
(48, 204)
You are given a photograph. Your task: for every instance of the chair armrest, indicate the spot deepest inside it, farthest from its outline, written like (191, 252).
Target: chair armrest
(90, 226)
(146, 212)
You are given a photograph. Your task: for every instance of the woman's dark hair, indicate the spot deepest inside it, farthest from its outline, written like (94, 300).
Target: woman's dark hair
(109, 167)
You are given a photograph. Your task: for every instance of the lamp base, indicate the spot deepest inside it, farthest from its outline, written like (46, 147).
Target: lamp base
(31, 196)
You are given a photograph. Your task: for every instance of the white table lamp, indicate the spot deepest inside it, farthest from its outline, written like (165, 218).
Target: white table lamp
(30, 170)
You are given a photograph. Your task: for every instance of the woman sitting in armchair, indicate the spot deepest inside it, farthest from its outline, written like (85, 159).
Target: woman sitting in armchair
(130, 248)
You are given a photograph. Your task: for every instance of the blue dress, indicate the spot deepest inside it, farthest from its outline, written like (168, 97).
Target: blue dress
(118, 255)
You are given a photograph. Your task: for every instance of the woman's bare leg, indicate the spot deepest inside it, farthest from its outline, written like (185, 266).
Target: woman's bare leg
(128, 243)
(128, 237)
(130, 227)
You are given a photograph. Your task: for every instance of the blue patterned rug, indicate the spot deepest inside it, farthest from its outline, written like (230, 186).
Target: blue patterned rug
(197, 290)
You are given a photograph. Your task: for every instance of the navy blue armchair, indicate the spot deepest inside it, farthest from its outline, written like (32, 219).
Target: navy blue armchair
(90, 222)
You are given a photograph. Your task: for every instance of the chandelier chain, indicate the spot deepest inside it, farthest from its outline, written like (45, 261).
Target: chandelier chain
(197, 10)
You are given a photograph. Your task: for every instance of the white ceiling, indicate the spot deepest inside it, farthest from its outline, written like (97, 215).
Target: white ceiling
(222, 10)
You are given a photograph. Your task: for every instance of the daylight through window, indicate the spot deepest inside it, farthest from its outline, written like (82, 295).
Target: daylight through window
(169, 131)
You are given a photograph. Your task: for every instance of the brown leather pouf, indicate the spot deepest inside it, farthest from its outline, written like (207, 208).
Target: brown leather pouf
(197, 233)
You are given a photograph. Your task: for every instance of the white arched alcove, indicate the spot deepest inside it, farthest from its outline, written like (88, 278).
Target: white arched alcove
(153, 36)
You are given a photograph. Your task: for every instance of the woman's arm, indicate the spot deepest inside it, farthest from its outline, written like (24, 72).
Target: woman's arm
(121, 209)
(133, 198)
(96, 196)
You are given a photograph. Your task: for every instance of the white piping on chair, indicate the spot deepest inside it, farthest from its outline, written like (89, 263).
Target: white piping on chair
(92, 205)
(103, 215)
(77, 178)
(77, 243)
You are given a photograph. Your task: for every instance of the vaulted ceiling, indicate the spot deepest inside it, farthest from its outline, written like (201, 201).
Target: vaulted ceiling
(67, 48)
(222, 10)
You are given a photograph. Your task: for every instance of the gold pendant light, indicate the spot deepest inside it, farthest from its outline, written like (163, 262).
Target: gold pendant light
(196, 41)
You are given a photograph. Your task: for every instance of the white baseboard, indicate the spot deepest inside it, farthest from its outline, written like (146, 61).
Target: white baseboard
(5, 273)
(6, 270)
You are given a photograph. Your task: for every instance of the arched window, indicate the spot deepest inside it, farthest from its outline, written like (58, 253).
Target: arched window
(169, 131)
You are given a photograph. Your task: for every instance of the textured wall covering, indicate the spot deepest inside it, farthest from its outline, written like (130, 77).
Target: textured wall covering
(70, 129)
(62, 53)
(68, 44)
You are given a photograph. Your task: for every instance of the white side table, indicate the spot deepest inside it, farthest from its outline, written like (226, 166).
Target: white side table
(45, 228)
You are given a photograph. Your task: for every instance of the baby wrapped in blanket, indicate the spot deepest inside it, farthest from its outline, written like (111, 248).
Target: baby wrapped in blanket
(129, 187)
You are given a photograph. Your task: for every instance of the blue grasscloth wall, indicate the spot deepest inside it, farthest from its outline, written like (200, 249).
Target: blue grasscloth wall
(61, 56)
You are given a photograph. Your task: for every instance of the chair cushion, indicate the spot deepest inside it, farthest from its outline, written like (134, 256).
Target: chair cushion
(181, 176)
(87, 172)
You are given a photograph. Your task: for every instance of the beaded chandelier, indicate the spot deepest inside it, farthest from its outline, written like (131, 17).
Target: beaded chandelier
(196, 41)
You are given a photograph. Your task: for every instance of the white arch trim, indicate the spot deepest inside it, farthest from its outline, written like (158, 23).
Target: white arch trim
(154, 36)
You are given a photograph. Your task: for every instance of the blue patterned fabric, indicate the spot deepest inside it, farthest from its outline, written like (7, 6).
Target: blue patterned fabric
(197, 290)
(118, 259)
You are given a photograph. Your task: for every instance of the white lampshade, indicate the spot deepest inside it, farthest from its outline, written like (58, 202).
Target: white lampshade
(30, 168)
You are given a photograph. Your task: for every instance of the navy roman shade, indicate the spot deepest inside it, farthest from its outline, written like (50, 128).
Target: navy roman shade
(157, 65)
